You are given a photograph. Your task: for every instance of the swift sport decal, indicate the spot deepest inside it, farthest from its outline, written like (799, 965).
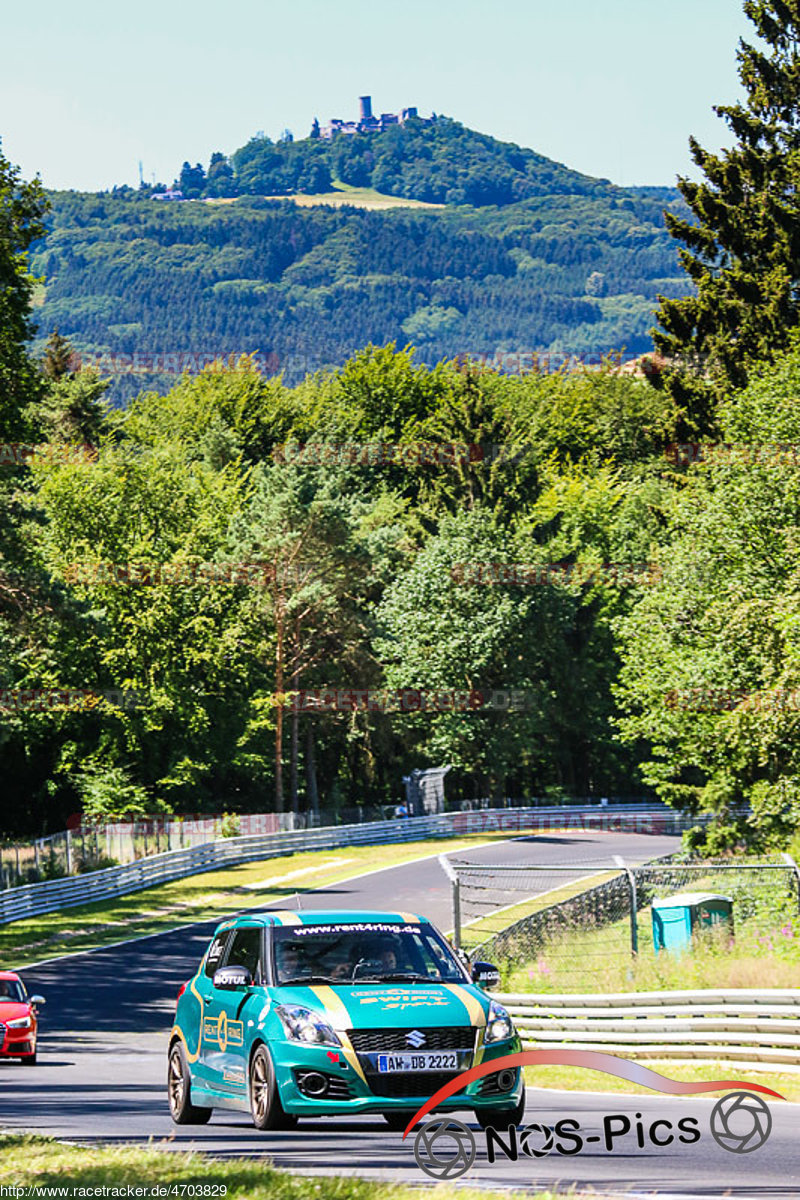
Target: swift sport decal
(402, 998)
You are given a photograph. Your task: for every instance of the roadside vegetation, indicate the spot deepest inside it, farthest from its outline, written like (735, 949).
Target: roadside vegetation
(42, 1162)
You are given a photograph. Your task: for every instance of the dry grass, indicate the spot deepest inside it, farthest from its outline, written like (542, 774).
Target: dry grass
(343, 194)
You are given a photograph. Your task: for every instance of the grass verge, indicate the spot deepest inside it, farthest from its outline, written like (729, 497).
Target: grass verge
(208, 896)
(576, 1079)
(600, 960)
(28, 1161)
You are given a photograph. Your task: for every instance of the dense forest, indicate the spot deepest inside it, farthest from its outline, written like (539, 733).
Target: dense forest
(642, 600)
(306, 288)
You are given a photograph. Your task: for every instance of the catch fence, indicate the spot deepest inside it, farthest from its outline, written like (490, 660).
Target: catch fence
(575, 924)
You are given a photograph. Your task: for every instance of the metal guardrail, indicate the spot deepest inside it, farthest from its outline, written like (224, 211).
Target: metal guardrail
(33, 899)
(733, 1025)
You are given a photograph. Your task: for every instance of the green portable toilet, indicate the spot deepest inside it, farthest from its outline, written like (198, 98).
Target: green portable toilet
(678, 917)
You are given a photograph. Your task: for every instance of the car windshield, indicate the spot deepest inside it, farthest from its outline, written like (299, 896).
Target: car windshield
(11, 992)
(366, 952)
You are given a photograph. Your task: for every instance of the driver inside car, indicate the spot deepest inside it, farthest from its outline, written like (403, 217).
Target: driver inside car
(289, 962)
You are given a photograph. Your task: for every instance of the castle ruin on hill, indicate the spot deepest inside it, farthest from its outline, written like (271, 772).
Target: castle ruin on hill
(367, 122)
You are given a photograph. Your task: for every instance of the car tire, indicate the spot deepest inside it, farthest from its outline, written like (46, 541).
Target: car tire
(29, 1059)
(501, 1118)
(397, 1120)
(179, 1090)
(265, 1104)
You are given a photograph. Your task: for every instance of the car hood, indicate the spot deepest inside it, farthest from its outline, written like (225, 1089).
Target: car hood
(13, 1011)
(371, 1006)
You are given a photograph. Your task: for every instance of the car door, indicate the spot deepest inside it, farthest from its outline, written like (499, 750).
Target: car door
(204, 989)
(225, 1068)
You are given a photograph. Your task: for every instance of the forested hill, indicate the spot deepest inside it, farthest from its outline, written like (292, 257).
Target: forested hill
(574, 267)
(441, 162)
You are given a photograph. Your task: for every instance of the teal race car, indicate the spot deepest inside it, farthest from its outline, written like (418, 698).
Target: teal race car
(308, 1014)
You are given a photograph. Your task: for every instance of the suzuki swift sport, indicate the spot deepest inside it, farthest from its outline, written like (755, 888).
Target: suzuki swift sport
(327, 1013)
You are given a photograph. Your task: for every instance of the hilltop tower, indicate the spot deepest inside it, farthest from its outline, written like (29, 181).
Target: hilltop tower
(365, 106)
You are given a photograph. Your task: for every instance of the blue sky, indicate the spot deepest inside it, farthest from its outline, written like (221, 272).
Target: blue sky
(610, 87)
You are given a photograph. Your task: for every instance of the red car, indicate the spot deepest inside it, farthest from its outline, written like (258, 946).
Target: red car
(18, 1019)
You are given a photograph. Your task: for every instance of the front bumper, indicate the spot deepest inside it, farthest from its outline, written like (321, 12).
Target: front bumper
(349, 1090)
(17, 1043)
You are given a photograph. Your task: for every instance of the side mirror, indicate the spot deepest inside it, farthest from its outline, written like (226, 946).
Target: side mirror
(36, 1000)
(231, 979)
(486, 975)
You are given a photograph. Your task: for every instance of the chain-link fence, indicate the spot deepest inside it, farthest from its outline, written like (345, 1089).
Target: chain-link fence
(581, 926)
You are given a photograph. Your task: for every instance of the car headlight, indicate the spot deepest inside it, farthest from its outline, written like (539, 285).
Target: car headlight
(20, 1023)
(305, 1025)
(499, 1025)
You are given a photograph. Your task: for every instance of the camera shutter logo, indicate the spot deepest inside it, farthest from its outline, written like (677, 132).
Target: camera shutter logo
(741, 1122)
(444, 1148)
(536, 1140)
(416, 1039)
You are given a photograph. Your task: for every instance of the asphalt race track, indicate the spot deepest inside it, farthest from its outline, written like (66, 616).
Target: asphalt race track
(102, 1057)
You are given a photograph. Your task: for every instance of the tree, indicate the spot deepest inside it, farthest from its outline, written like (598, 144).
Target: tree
(192, 180)
(710, 681)
(59, 357)
(73, 408)
(305, 526)
(22, 207)
(742, 240)
(220, 180)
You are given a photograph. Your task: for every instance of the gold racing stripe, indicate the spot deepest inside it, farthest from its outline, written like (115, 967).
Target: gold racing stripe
(334, 1007)
(409, 918)
(284, 917)
(189, 1056)
(476, 1014)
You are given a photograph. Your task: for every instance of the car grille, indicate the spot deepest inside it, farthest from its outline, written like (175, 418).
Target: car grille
(381, 1041)
(421, 1084)
(2, 1032)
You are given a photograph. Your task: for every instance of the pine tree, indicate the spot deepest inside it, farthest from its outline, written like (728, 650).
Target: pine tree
(743, 240)
(59, 357)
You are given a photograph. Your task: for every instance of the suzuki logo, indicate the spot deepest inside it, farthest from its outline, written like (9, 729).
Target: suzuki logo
(416, 1039)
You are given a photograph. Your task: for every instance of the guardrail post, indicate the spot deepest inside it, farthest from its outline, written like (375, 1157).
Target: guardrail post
(787, 858)
(69, 851)
(633, 902)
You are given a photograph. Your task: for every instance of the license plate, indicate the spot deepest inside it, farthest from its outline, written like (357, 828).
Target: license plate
(418, 1062)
